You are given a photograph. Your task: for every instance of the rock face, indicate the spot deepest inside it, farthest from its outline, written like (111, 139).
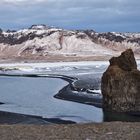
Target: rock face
(121, 84)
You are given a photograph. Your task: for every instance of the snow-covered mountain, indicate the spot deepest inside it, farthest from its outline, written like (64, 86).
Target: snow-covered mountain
(41, 41)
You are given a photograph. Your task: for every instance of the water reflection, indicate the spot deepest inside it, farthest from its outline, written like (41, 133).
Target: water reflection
(124, 117)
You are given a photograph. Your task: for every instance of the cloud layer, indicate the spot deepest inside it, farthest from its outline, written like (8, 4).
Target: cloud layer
(101, 15)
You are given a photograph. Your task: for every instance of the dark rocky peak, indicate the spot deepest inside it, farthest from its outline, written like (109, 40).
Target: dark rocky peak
(112, 37)
(125, 61)
(134, 40)
(92, 35)
(39, 27)
(89, 32)
(11, 31)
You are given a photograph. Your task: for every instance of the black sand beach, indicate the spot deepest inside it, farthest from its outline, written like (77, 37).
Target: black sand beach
(15, 118)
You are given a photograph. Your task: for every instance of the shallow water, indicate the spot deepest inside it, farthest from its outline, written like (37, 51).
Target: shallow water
(34, 96)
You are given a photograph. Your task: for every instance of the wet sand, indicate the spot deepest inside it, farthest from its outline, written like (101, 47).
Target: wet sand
(102, 131)
(15, 118)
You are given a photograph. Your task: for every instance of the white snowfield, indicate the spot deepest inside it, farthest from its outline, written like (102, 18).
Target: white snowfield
(56, 64)
(56, 67)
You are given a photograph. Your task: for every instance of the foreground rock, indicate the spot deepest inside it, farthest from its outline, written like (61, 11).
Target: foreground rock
(121, 84)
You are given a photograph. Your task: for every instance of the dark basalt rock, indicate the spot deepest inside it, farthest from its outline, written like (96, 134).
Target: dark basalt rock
(125, 61)
(111, 37)
(12, 40)
(134, 40)
(85, 85)
(121, 84)
(81, 36)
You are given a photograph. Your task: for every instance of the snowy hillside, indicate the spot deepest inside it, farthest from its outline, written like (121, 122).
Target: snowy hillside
(43, 42)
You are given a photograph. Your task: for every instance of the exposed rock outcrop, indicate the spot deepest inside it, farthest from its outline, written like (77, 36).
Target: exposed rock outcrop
(121, 84)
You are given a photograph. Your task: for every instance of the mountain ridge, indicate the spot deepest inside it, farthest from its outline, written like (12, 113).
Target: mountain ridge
(43, 41)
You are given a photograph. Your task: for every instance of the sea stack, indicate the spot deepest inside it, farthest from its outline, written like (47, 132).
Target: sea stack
(121, 84)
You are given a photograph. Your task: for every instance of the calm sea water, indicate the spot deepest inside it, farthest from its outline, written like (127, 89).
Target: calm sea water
(34, 96)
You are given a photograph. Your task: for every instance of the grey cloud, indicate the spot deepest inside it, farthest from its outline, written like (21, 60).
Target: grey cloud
(101, 15)
(21, 2)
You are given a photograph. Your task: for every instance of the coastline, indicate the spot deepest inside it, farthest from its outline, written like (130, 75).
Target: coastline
(69, 93)
(105, 130)
(29, 119)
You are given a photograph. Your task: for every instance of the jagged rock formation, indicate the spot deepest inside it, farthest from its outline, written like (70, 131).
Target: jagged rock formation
(44, 41)
(121, 84)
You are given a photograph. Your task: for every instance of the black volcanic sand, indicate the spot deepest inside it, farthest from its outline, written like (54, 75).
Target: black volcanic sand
(102, 131)
(15, 118)
(67, 94)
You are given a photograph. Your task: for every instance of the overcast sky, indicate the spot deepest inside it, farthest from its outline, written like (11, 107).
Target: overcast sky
(99, 15)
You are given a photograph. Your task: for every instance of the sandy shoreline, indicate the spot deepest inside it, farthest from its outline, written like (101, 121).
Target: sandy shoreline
(94, 131)
(56, 58)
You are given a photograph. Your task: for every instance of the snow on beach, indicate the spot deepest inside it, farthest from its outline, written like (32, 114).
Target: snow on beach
(56, 67)
(60, 66)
